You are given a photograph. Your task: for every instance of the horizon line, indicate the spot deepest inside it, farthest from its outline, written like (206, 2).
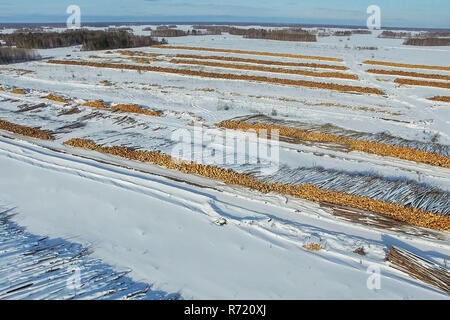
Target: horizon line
(218, 22)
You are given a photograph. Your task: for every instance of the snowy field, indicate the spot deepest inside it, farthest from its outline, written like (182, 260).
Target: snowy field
(188, 235)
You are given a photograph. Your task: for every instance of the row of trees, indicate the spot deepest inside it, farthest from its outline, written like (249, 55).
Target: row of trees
(394, 35)
(168, 33)
(100, 40)
(282, 35)
(291, 34)
(437, 34)
(16, 55)
(90, 40)
(348, 33)
(211, 30)
(361, 31)
(427, 42)
(164, 31)
(162, 27)
(438, 38)
(342, 33)
(43, 40)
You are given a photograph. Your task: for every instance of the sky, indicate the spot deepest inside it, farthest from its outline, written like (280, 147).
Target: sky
(394, 13)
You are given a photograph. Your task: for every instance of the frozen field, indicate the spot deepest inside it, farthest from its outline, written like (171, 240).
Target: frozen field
(205, 238)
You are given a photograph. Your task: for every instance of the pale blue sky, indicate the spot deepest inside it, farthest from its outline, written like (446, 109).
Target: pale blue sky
(401, 13)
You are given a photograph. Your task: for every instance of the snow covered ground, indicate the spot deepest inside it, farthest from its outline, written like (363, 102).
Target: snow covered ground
(201, 238)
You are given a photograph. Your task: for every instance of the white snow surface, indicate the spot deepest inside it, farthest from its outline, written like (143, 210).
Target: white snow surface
(163, 224)
(165, 232)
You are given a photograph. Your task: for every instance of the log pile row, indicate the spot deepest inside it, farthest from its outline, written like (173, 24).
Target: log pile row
(440, 98)
(25, 131)
(141, 60)
(55, 98)
(267, 62)
(133, 108)
(18, 91)
(132, 53)
(413, 82)
(337, 75)
(352, 144)
(313, 247)
(257, 53)
(411, 216)
(404, 65)
(409, 74)
(300, 83)
(95, 104)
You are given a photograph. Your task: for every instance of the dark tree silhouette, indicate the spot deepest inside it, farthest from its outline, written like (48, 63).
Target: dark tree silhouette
(15, 55)
(90, 40)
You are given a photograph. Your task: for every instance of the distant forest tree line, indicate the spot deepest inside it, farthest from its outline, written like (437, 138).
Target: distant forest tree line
(291, 34)
(427, 42)
(168, 33)
(171, 31)
(90, 40)
(438, 38)
(281, 34)
(16, 55)
(394, 35)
